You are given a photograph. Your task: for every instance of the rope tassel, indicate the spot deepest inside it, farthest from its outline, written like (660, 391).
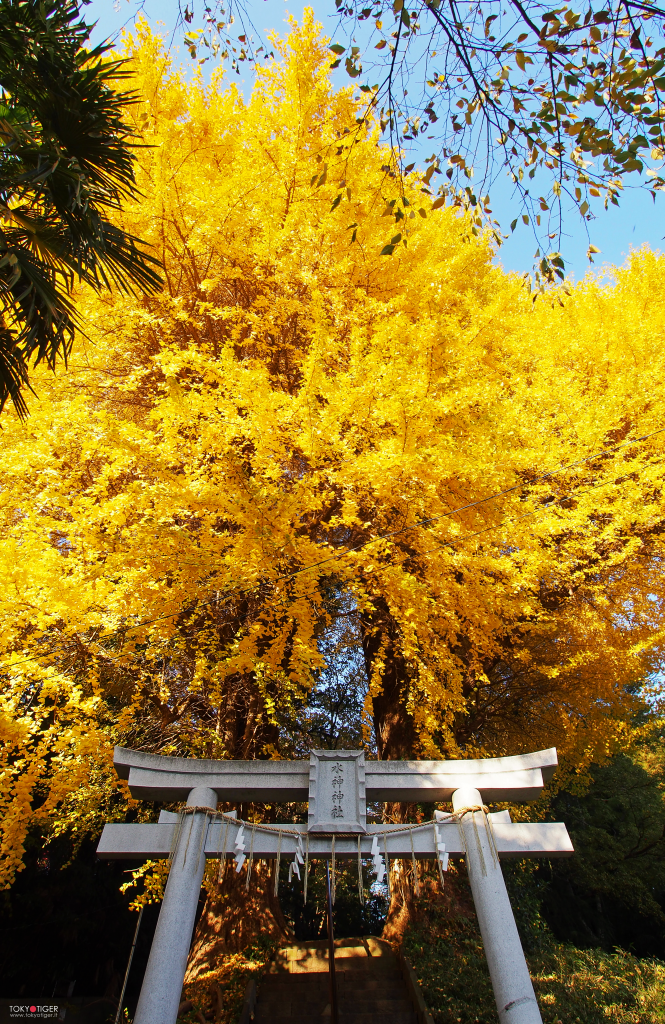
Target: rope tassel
(251, 860)
(222, 858)
(441, 854)
(385, 854)
(298, 859)
(306, 870)
(277, 863)
(416, 880)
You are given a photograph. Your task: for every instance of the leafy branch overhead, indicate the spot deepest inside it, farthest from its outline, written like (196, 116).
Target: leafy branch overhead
(66, 162)
(569, 103)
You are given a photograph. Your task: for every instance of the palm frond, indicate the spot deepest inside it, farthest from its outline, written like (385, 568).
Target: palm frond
(66, 161)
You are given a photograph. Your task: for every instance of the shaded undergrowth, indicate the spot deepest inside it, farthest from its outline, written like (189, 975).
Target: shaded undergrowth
(218, 994)
(573, 986)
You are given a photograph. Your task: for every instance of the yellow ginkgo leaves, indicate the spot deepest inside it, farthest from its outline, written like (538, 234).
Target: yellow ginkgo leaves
(299, 429)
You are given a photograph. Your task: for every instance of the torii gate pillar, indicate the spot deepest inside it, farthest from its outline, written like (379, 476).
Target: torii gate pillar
(511, 981)
(162, 982)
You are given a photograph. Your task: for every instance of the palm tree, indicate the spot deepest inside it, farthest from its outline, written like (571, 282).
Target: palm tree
(66, 162)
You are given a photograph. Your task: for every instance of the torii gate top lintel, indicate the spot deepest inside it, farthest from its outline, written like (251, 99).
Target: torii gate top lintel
(125, 759)
(160, 777)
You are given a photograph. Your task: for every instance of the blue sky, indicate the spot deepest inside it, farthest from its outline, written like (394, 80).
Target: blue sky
(637, 221)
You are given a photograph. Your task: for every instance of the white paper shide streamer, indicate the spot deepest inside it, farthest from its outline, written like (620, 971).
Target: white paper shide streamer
(240, 855)
(379, 864)
(298, 859)
(441, 850)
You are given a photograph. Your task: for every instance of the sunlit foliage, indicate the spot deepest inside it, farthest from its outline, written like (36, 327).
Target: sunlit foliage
(298, 429)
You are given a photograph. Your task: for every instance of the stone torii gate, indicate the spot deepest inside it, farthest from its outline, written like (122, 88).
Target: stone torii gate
(337, 784)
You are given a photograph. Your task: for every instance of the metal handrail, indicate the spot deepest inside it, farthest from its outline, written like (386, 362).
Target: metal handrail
(129, 967)
(334, 1016)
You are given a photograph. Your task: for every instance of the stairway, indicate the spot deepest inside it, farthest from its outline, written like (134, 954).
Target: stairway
(370, 985)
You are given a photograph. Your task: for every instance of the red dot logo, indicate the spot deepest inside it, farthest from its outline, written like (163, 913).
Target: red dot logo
(33, 1009)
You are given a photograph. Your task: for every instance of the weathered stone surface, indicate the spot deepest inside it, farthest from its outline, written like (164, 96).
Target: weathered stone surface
(519, 839)
(337, 791)
(513, 990)
(152, 777)
(162, 983)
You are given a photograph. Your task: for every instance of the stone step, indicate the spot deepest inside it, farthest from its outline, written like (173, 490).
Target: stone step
(320, 984)
(364, 986)
(370, 948)
(344, 1018)
(377, 968)
(407, 1017)
(286, 1008)
(303, 983)
(370, 985)
(369, 976)
(376, 946)
(303, 995)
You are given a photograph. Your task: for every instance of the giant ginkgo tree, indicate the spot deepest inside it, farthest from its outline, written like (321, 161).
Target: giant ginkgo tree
(296, 430)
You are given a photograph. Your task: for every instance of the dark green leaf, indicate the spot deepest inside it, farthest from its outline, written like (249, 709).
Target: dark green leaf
(67, 161)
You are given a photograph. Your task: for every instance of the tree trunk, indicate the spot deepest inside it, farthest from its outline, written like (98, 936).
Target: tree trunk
(396, 739)
(402, 883)
(233, 918)
(396, 736)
